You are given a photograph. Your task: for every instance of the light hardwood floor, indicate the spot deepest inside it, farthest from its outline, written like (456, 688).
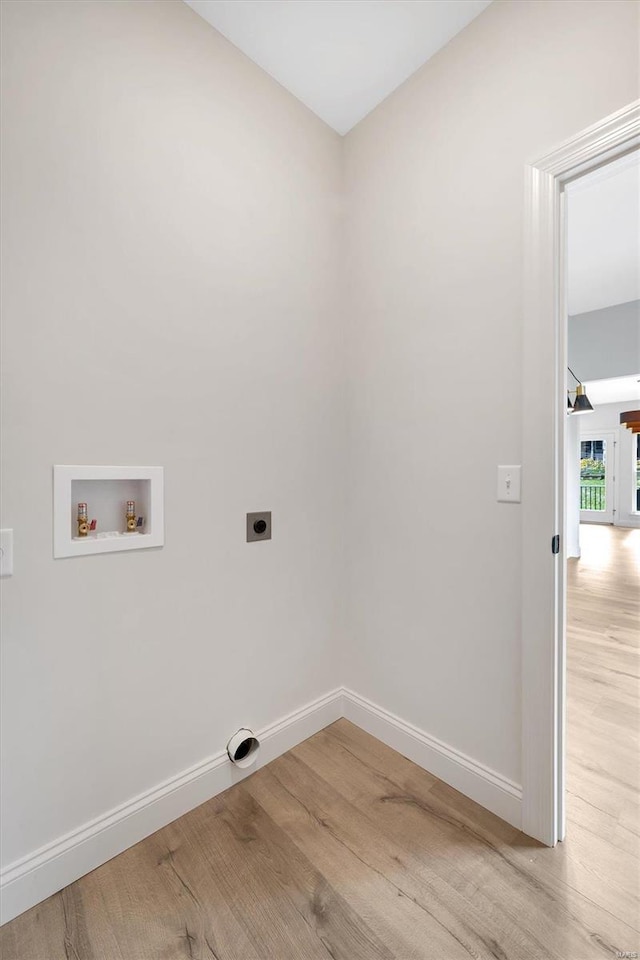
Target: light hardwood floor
(344, 850)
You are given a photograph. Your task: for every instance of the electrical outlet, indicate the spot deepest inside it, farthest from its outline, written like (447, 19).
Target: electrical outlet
(258, 526)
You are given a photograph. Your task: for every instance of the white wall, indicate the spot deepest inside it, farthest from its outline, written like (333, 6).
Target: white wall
(603, 236)
(605, 343)
(435, 180)
(606, 418)
(171, 225)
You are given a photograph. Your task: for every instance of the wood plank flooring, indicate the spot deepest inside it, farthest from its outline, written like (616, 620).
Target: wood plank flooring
(344, 850)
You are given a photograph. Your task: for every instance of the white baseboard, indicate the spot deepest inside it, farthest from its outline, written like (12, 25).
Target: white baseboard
(35, 877)
(488, 788)
(629, 520)
(572, 551)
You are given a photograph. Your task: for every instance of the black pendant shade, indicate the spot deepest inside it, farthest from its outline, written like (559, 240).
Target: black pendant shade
(582, 403)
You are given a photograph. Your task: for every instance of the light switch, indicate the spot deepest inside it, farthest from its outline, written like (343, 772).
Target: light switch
(509, 484)
(6, 553)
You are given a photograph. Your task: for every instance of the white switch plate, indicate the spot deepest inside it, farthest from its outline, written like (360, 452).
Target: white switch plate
(509, 484)
(6, 553)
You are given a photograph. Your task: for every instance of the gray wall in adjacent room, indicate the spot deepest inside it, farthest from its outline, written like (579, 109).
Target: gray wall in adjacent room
(605, 343)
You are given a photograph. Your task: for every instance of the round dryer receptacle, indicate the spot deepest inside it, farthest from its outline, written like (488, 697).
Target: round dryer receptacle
(243, 748)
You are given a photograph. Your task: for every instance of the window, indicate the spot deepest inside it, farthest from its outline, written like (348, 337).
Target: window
(592, 450)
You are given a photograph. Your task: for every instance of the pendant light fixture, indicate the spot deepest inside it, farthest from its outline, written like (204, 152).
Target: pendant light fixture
(582, 403)
(631, 419)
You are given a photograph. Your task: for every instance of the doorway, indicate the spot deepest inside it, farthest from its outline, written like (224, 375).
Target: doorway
(597, 477)
(543, 428)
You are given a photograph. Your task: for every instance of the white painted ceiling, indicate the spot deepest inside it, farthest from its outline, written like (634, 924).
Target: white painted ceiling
(614, 390)
(339, 57)
(604, 236)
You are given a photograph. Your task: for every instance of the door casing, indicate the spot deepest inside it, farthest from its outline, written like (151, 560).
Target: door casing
(543, 428)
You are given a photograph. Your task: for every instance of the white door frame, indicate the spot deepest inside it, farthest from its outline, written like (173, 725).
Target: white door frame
(543, 427)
